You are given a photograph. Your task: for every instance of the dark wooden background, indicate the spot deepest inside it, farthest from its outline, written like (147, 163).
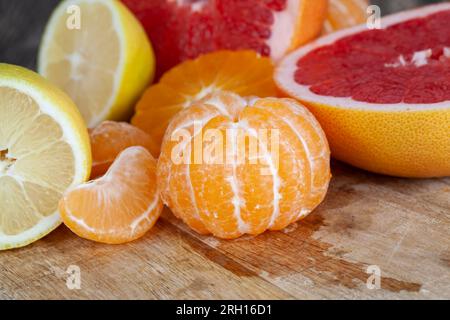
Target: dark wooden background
(22, 23)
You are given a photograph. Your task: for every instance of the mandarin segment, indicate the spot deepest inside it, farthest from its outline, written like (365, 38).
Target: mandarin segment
(184, 127)
(243, 72)
(249, 165)
(119, 207)
(345, 14)
(110, 138)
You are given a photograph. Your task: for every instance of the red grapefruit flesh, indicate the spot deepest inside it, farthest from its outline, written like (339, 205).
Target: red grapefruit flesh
(406, 62)
(184, 29)
(382, 96)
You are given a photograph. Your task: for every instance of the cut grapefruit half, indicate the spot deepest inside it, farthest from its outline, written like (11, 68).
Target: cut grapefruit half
(382, 96)
(184, 29)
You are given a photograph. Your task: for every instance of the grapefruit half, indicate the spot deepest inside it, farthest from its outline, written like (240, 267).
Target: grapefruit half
(382, 96)
(184, 29)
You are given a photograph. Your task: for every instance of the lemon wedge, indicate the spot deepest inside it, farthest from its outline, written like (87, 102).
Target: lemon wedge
(44, 150)
(98, 53)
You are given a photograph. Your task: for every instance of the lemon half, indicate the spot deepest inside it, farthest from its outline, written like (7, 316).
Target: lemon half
(99, 54)
(44, 150)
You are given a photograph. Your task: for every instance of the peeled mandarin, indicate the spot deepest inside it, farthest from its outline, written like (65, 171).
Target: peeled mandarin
(231, 166)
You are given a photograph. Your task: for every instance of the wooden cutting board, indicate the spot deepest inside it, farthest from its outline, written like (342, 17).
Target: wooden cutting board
(398, 227)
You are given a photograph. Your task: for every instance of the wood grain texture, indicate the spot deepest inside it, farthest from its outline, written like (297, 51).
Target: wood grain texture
(400, 225)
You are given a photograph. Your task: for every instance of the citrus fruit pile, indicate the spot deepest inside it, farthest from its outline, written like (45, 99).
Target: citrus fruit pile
(104, 61)
(214, 139)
